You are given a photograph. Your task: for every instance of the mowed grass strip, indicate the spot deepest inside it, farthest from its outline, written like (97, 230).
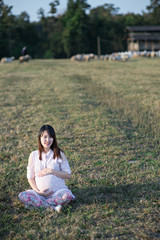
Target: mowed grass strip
(107, 121)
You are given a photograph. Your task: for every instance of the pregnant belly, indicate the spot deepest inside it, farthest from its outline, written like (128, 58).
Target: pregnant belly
(50, 182)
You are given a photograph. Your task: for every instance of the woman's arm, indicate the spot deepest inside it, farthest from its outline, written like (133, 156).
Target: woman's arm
(63, 175)
(33, 185)
(46, 171)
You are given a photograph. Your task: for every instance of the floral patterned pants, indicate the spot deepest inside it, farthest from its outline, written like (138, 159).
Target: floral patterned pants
(31, 199)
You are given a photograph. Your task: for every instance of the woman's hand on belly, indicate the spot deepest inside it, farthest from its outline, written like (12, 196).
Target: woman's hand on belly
(44, 171)
(45, 193)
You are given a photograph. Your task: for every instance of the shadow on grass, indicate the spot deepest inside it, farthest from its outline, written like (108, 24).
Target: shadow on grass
(6, 210)
(124, 195)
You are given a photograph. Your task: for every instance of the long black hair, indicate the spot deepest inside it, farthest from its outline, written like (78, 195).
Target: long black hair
(54, 145)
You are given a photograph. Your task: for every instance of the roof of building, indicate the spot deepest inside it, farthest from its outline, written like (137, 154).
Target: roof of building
(143, 28)
(144, 36)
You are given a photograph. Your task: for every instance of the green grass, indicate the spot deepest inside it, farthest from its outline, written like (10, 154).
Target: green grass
(106, 116)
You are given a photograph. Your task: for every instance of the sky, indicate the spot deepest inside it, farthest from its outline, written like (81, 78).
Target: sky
(32, 6)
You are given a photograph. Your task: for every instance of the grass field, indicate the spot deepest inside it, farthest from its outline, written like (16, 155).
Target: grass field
(106, 116)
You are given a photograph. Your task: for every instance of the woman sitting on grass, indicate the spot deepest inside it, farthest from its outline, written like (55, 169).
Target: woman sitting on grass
(46, 172)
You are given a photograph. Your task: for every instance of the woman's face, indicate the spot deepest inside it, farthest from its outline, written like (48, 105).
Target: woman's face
(46, 141)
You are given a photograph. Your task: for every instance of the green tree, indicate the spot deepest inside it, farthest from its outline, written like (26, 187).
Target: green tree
(154, 10)
(75, 34)
(53, 7)
(5, 12)
(6, 20)
(23, 33)
(105, 24)
(131, 19)
(56, 39)
(49, 34)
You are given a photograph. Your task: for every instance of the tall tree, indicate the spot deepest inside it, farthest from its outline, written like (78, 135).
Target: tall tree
(5, 12)
(49, 33)
(154, 10)
(53, 6)
(75, 32)
(6, 22)
(105, 25)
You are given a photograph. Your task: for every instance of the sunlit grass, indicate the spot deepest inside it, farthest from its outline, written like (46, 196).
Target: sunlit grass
(106, 116)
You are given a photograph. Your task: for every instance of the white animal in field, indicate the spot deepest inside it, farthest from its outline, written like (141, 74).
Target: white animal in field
(92, 56)
(7, 59)
(25, 58)
(87, 57)
(78, 58)
(106, 57)
(83, 57)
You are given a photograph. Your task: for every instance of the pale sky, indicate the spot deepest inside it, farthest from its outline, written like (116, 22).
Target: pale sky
(32, 6)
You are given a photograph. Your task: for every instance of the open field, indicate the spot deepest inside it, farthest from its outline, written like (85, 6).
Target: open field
(107, 119)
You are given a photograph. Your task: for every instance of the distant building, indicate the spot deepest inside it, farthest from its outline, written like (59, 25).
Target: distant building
(142, 38)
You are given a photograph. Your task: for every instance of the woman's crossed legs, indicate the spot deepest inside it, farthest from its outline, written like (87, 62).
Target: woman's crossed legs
(31, 199)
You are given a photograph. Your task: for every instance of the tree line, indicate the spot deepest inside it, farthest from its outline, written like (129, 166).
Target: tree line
(74, 31)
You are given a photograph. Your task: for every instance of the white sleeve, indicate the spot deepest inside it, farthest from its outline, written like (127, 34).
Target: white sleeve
(65, 165)
(30, 167)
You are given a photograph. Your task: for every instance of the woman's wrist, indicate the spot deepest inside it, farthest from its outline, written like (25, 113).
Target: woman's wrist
(52, 171)
(36, 190)
(63, 175)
